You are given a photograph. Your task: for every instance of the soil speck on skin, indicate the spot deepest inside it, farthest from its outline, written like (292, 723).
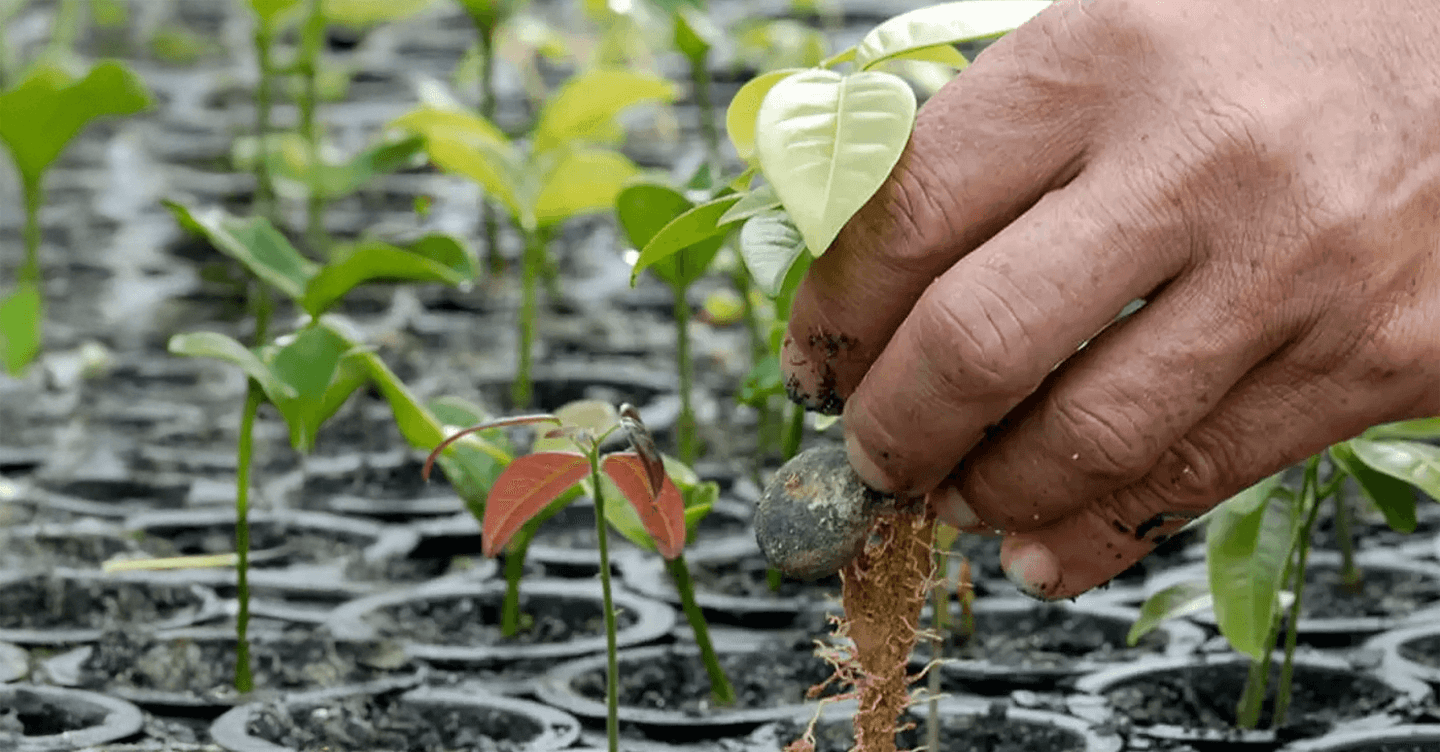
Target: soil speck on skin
(476, 621)
(364, 723)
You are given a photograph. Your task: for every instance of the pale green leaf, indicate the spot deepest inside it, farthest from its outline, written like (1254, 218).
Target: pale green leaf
(254, 242)
(582, 181)
(21, 312)
(369, 261)
(1391, 495)
(42, 113)
(827, 142)
(769, 245)
(596, 416)
(363, 13)
(1248, 542)
(469, 145)
(745, 107)
(946, 23)
(488, 14)
(694, 226)
(220, 347)
(1173, 602)
(751, 203)
(942, 54)
(1420, 428)
(585, 107)
(1414, 462)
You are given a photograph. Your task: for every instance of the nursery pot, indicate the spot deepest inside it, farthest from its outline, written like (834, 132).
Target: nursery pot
(456, 621)
(1413, 650)
(56, 719)
(1409, 738)
(566, 544)
(14, 662)
(70, 606)
(1194, 699)
(734, 589)
(83, 544)
(967, 724)
(365, 718)
(1020, 643)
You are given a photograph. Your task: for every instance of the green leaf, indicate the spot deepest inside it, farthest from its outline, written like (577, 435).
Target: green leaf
(253, 242)
(942, 54)
(826, 143)
(48, 108)
(488, 14)
(1411, 461)
(643, 210)
(745, 107)
(271, 12)
(769, 245)
(362, 13)
(695, 34)
(307, 363)
(370, 261)
(585, 107)
(20, 315)
(1248, 543)
(947, 23)
(751, 203)
(1393, 496)
(472, 146)
(1171, 603)
(337, 181)
(220, 347)
(1421, 428)
(694, 226)
(582, 181)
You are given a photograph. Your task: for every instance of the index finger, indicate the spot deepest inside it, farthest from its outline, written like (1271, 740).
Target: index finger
(984, 149)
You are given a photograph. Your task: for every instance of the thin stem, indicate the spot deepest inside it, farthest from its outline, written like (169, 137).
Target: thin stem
(520, 390)
(1345, 539)
(515, 555)
(312, 36)
(794, 432)
(264, 182)
(244, 682)
(612, 662)
(489, 218)
(721, 690)
(1287, 669)
(685, 428)
(34, 197)
(700, 76)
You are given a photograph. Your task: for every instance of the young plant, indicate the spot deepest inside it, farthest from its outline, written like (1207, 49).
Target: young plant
(489, 16)
(532, 482)
(39, 116)
(1258, 545)
(569, 169)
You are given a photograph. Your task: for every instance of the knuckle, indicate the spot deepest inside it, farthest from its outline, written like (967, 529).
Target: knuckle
(1107, 442)
(976, 345)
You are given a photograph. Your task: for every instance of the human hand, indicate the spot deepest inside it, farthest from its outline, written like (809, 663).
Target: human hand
(1265, 175)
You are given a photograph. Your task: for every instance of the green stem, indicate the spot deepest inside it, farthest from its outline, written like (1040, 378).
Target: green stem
(685, 428)
(721, 690)
(794, 432)
(521, 389)
(312, 36)
(774, 578)
(244, 682)
(34, 197)
(264, 182)
(1345, 539)
(612, 662)
(1287, 669)
(514, 570)
(489, 218)
(700, 76)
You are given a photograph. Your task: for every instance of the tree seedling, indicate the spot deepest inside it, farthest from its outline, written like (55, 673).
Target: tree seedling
(39, 116)
(1258, 545)
(532, 482)
(569, 168)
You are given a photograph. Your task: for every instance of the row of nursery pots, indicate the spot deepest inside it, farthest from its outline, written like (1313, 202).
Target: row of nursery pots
(415, 652)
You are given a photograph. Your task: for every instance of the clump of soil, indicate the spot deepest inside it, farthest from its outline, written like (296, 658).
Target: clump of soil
(992, 732)
(43, 602)
(475, 620)
(1204, 697)
(781, 674)
(1048, 637)
(382, 721)
(204, 667)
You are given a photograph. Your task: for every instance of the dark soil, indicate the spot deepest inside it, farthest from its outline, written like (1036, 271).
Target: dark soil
(677, 681)
(1384, 592)
(959, 733)
(45, 550)
(291, 544)
(1422, 650)
(204, 668)
(474, 620)
(29, 714)
(748, 577)
(1047, 637)
(64, 603)
(1205, 698)
(366, 723)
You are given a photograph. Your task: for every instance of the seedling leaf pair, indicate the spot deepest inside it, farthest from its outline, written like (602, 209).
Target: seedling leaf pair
(1249, 542)
(677, 240)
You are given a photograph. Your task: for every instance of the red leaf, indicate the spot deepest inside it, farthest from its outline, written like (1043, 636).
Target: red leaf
(524, 488)
(662, 515)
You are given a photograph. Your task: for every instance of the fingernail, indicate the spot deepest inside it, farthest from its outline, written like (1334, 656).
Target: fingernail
(865, 467)
(1032, 567)
(953, 510)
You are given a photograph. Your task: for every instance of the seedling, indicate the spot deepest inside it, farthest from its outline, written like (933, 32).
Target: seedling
(39, 116)
(568, 169)
(1258, 544)
(532, 482)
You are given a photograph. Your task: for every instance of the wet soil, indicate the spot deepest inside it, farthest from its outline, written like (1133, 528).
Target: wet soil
(474, 620)
(1383, 592)
(43, 602)
(1047, 637)
(365, 723)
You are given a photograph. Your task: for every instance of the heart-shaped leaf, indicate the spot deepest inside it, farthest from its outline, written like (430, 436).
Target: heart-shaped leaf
(523, 490)
(585, 107)
(946, 23)
(745, 107)
(827, 142)
(694, 226)
(769, 245)
(1248, 542)
(581, 181)
(1414, 462)
(254, 242)
(663, 515)
(20, 315)
(1392, 496)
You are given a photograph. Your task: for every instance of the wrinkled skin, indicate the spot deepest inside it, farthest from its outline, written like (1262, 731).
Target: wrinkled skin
(1266, 175)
